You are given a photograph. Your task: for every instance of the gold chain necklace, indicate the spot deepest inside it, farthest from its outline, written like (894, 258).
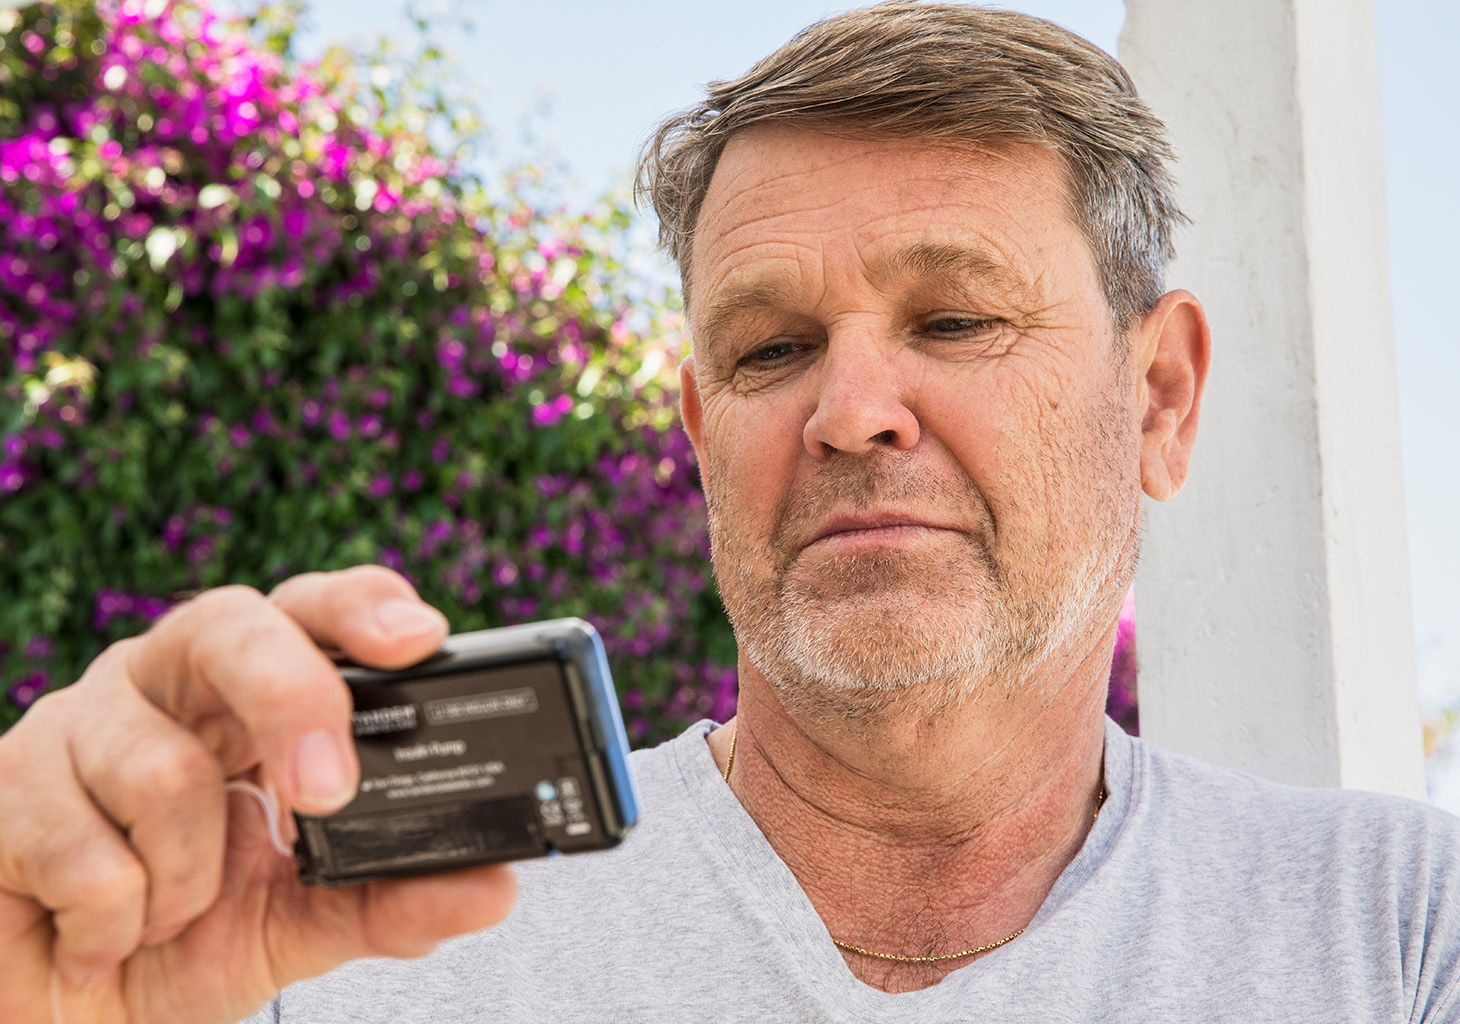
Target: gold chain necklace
(1099, 803)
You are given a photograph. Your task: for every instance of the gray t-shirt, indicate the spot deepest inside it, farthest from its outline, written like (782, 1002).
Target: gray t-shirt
(1199, 895)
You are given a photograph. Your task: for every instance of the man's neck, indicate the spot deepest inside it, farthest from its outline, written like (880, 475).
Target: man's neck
(923, 836)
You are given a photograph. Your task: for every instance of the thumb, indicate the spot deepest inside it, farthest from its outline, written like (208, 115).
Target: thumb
(313, 930)
(399, 917)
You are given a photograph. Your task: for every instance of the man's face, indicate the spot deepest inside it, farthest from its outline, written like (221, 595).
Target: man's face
(920, 443)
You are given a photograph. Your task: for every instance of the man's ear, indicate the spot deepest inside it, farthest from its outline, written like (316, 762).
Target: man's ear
(1172, 350)
(691, 412)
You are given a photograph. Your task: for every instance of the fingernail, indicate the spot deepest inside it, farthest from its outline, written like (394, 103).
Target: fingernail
(320, 771)
(399, 617)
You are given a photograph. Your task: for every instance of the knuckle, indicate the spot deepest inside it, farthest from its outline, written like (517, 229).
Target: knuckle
(173, 770)
(117, 883)
(100, 878)
(113, 658)
(50, 711)
(223, 604)
(242, 626)
(373, 576)
(24, 850)
(33, 748)
(234, 598)
(286, 591)
(106, 670)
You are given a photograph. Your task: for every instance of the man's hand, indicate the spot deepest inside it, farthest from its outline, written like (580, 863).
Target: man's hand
(133, 888)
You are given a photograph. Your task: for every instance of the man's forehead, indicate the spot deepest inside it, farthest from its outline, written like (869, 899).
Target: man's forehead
(778, 193)
(759, 160)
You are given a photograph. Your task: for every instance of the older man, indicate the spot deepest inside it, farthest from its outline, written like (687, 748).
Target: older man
(934, 368)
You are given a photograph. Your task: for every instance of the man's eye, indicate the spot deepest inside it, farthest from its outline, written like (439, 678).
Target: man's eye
(960, 325)
(766, 354)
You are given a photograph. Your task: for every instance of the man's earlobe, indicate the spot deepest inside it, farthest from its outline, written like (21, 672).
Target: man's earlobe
(1173, 349)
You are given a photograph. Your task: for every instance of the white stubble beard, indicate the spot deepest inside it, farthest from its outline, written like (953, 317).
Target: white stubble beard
(865, 633)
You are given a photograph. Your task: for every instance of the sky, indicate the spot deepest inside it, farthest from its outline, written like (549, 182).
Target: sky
(589, 79)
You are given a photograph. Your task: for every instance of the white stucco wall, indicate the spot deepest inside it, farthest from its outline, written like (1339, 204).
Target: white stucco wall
(1273, 601)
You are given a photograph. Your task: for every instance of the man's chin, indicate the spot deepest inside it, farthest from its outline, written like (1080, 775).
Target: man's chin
(876, 652)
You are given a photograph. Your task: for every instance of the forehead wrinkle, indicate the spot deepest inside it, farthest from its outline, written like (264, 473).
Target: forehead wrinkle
(774, 282)
(722, 246)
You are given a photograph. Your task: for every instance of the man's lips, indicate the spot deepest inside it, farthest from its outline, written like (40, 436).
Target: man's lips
(872, 529)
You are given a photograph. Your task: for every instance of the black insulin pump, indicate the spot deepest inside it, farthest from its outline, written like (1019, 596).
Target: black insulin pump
(506, 744)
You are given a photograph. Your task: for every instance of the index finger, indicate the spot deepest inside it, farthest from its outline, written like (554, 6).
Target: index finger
(370, 613)
(247, 674)
(245, 677)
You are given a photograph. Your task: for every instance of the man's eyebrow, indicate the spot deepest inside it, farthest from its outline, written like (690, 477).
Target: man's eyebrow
(949, 259)
(726, 307)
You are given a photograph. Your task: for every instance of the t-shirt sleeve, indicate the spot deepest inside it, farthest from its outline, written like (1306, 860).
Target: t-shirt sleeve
(1437, 995)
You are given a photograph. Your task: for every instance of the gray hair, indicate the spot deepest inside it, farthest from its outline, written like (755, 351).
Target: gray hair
(908, 70)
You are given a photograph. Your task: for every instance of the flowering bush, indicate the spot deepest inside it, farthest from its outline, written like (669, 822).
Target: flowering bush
(1121, 702)
(256, 318)
(254, 321)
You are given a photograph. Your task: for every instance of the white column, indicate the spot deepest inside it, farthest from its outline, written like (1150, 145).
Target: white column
(1272, 603)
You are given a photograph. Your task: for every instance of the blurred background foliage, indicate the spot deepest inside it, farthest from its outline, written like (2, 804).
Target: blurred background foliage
(259, 316)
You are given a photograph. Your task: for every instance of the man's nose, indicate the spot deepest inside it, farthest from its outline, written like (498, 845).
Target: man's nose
(859, 402)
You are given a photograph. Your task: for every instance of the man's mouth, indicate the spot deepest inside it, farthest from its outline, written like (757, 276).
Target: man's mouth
(873, 530)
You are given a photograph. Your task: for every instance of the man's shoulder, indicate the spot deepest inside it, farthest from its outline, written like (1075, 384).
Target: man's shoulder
(1190, 782)
(1236, 824)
